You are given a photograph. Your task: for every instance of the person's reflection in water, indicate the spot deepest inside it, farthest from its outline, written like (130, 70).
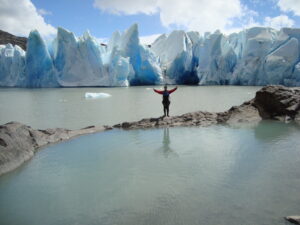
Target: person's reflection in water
(166, 149)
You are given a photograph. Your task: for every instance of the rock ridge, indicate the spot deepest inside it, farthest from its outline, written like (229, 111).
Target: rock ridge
(6, 38)
(271, 102)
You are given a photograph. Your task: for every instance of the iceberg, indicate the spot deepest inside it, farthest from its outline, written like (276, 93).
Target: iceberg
(91, 95)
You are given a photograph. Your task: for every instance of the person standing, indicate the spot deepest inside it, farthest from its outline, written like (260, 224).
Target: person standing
(166, 98)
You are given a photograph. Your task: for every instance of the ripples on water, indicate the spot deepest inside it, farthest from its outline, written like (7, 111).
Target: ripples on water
(213, 175)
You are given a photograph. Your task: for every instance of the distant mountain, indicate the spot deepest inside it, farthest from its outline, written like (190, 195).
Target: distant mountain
(6, 38)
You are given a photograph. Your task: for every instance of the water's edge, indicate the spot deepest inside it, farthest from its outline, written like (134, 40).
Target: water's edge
(19, 142)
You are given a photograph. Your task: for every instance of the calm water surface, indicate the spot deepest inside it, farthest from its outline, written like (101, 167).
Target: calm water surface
(213, 175)
(67, 107)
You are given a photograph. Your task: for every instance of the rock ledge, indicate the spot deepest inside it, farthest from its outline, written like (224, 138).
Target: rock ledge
(271, 102)
(19, 142)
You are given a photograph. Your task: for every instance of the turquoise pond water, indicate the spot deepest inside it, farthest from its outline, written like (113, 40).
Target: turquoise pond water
(211, 175)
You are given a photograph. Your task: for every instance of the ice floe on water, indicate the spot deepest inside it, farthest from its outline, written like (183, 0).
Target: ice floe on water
(91, 95)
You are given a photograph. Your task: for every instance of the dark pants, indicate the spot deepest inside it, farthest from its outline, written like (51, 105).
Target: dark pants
(166, 105)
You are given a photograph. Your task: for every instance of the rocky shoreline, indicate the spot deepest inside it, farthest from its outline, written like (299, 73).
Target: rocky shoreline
(271, 102)
(18, 142)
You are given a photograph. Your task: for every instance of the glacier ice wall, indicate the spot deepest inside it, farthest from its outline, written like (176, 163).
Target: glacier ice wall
(176, 58)
(143, 61)
(216, 59)
(39, 70)
(255, 56)
(12, 66)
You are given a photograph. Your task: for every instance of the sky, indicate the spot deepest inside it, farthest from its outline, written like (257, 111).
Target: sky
(154, 17)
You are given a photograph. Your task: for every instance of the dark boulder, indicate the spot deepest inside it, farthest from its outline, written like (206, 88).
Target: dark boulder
(278, 102)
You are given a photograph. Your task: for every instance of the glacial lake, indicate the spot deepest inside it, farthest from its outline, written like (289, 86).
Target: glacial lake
(68, 107)
(171, 176)
(200, 175)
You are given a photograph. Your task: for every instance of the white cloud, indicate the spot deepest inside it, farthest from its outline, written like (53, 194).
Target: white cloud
(278, 22)
(290, 6)
(200, 15)
(248, 23)
(21, 16)
(149, 39)
(274, 22)
(127, 7)
(245, 21)
(44, 12)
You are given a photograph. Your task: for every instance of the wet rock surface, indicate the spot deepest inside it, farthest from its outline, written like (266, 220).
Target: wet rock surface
(19, 142)
(6, 38)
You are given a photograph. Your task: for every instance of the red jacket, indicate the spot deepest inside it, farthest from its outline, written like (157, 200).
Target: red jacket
(169, 91)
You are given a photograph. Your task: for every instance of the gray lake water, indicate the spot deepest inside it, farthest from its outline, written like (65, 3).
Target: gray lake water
(213, 175)
(67, 107)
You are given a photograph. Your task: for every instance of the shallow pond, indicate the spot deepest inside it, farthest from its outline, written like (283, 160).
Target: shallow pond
(212, 175)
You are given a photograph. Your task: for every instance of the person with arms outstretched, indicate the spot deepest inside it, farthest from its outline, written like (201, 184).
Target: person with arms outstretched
(166, 100)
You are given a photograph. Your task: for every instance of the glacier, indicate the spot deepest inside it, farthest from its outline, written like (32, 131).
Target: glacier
(12, 66)
(176, 58)
(144, 63)
(39, 71)
(254, 56)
